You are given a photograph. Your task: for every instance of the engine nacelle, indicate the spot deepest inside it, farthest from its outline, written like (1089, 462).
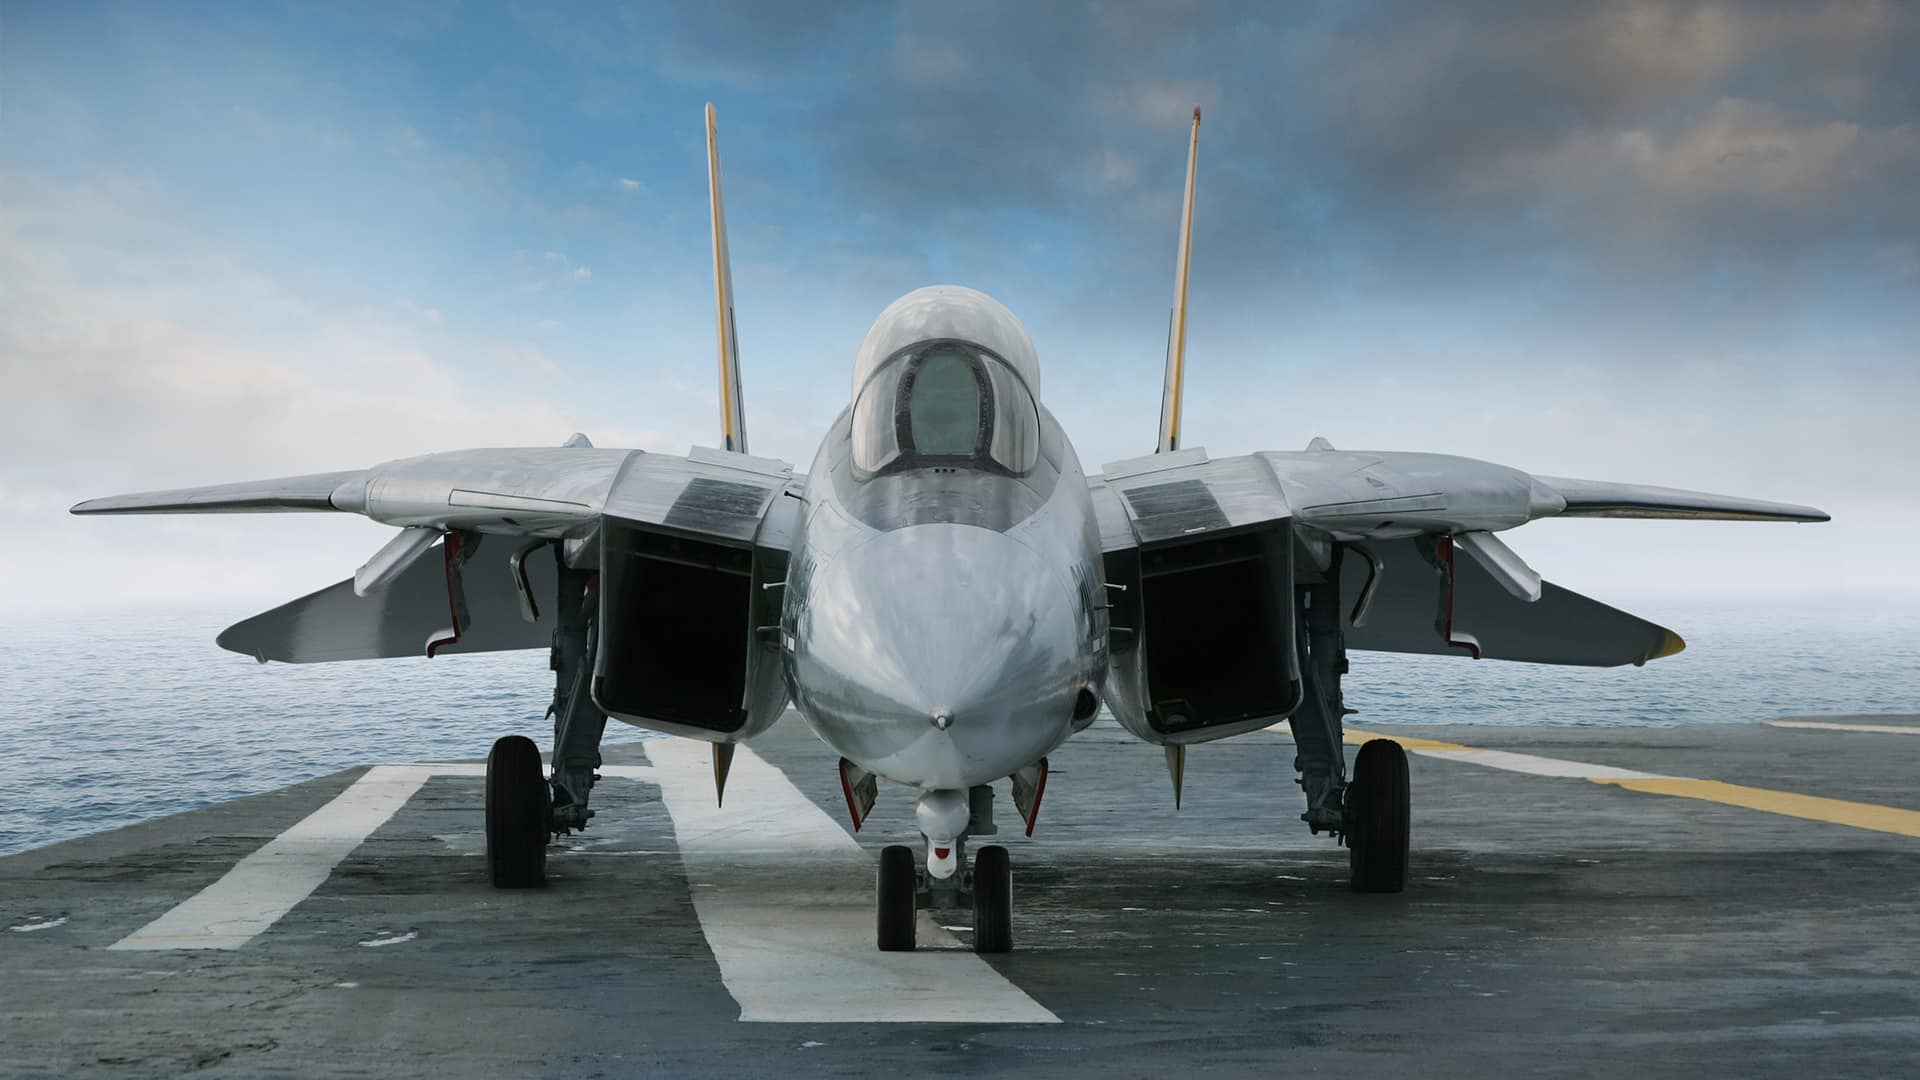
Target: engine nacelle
(688, 632)
(1204, 635)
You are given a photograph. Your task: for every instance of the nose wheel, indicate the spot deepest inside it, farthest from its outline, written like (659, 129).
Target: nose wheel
(992, 901)
(902, 888)
(896, 887)
(947, 879)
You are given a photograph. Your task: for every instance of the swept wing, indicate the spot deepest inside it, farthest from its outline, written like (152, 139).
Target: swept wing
(1594, 498)
(1414, 538)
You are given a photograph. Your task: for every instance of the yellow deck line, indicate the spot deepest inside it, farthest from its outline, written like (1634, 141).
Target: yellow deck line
(1885, 819)
(1870, 816)
(1357, 738)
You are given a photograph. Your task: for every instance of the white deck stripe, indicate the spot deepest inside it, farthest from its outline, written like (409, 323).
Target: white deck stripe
(475, 768)
(785, 898)
(265, 885)
(1829, 725)
(1539, 766)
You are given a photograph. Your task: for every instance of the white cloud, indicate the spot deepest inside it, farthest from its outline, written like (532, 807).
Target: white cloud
(931, 62)
(524, 359)
(127, 368)
(418, 311)
(1115, 169)
(629, 184)
(1162, 106)
(541, 270)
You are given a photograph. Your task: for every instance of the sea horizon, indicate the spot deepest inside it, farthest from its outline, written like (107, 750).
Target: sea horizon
(120, 717)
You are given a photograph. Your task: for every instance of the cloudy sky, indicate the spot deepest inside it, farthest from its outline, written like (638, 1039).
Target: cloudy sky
(1670, 243)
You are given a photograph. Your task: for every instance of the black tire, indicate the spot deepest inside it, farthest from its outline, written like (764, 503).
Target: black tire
(517, 815)
(1378, 804)
(894, 888)
(992, 901)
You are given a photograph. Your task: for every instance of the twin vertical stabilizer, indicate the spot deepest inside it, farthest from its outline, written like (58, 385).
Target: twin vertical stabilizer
(1177, 325)
(733, 427)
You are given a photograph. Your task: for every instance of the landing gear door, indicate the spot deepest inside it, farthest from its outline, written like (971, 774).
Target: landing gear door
(682, 604)
(1203, 613)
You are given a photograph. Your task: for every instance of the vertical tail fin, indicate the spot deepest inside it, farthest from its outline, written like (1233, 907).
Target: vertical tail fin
(733, 427)
(1177, 325)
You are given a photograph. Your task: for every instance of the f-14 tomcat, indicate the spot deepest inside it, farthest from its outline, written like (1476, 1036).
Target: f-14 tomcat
(947, 596)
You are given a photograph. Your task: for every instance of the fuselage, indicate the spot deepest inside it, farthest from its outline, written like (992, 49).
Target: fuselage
(944, 620)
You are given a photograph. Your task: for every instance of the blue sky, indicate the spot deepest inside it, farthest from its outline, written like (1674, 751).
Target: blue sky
(1659, 242)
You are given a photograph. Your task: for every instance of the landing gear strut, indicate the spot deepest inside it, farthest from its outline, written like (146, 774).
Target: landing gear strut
(904, 886)
(526, 807)
(578, 723)
(1369, 813)
(1317, 724)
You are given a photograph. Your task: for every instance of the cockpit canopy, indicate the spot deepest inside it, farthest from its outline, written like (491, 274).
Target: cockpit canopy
(945, 403)
(946, 376)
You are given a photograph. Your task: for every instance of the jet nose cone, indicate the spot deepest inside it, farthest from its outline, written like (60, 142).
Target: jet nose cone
(940, 655)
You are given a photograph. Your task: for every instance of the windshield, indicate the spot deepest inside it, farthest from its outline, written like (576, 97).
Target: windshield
(945, 404)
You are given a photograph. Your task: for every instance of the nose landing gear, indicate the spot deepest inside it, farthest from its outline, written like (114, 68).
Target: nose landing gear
(896, 889)
(993, 901)
(904, 885)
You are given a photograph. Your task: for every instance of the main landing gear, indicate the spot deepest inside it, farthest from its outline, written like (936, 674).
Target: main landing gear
(1369, 812)
(518, 815)
(526, 807)
(903, 885)
(1377, 818)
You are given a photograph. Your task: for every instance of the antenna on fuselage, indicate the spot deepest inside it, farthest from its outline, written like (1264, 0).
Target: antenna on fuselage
(1177, 324)
(733, 425)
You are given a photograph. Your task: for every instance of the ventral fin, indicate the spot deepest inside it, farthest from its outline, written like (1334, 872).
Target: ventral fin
(722, 764)
(861, 789)
(1176, 770)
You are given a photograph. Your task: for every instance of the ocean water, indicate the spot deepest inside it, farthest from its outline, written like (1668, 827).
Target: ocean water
(111, 720)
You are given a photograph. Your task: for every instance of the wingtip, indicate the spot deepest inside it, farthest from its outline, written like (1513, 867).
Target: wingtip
(1196, 114)
(1669, 645)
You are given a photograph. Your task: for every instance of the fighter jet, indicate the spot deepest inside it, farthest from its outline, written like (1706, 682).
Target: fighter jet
(946, 596)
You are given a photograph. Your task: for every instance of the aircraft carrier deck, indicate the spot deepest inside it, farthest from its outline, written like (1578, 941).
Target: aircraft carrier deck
(1726, 900)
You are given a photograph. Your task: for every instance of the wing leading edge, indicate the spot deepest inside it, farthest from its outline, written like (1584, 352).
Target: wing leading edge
(313, 492)
(1594, 498)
